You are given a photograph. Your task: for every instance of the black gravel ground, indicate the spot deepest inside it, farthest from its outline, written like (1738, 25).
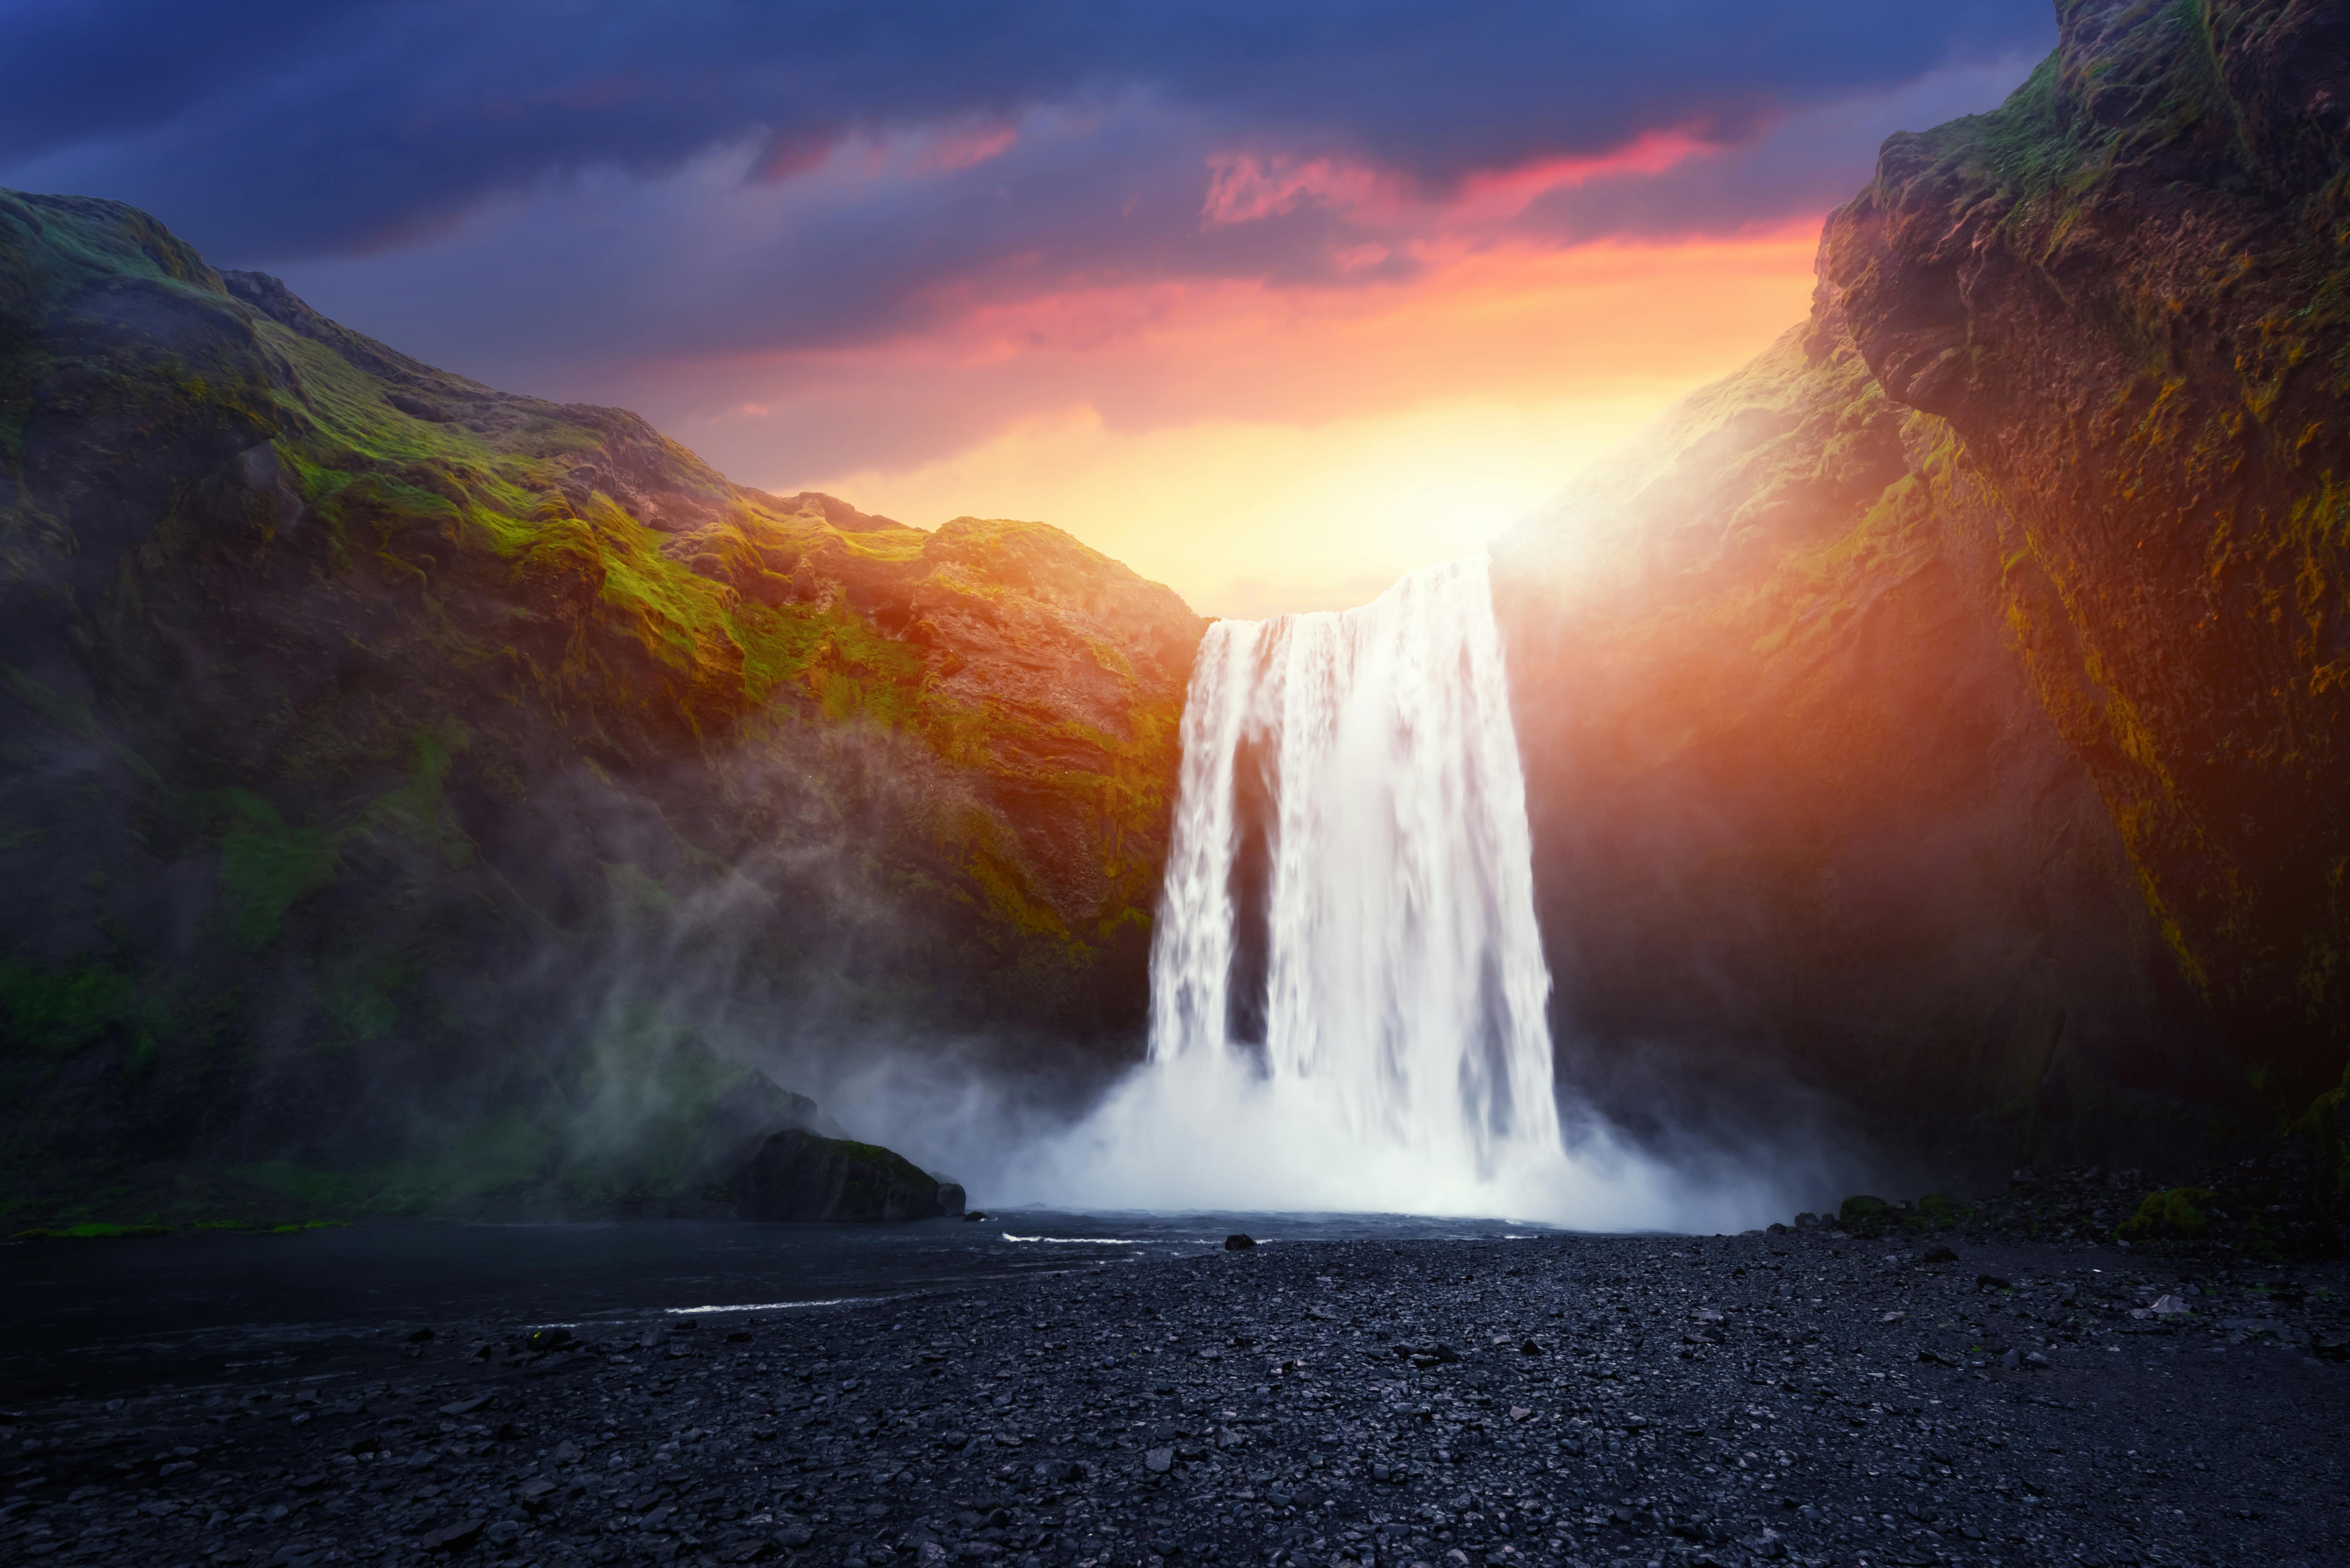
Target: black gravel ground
(1546, 1401)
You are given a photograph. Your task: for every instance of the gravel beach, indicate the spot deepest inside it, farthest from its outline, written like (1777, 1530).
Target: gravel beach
(1551, 1400)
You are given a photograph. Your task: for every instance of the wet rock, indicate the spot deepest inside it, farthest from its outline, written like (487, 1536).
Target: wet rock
(797, 1174)
(828, 1435)
(453, 1537)
(1235, 1242)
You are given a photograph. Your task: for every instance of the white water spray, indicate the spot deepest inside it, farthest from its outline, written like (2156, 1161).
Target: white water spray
(1347, 985)
(1402, 972)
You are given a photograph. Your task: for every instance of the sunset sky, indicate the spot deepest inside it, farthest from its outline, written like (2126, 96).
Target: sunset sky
(1271, 301)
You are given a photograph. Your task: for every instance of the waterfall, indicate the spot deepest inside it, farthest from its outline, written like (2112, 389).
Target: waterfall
(1349, 894)
(1348, 986)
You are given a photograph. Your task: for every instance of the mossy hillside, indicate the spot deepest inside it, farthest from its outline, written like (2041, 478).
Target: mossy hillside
(378, 737)
(2126, 290)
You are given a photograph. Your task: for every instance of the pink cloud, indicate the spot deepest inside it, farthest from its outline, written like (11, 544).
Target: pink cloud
(1506, 193)
(968, 147)
(1243, 187)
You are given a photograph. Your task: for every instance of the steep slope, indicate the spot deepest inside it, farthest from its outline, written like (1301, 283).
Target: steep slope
(398, 771)
(1794, 806)
(1949, 705)
(2129, 292)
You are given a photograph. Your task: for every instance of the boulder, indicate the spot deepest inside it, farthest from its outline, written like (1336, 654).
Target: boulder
(799, 1175)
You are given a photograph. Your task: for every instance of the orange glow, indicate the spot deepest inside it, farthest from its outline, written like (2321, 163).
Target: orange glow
(1262, 449)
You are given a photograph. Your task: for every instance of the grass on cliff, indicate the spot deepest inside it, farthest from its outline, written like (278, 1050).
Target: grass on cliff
(477, 530)
(476, 615)
(396, 490)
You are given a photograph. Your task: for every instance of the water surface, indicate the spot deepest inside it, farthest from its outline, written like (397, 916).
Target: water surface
(91, 1317)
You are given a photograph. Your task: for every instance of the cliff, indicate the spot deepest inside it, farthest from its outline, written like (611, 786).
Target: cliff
(1948, 706)
(2128, 292)
(414, 788)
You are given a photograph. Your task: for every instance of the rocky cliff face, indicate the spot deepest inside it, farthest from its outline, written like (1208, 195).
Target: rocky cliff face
(1796, 807)
(1950, 704)
(2129, 292)
(418, 786)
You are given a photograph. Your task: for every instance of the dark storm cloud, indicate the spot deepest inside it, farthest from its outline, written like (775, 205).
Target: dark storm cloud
(270, 133)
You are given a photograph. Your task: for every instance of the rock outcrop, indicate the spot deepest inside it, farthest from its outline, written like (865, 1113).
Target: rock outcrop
(1948, 706)
(2128, 292)
(1794, 804)
(797, 1174)
(401, 775)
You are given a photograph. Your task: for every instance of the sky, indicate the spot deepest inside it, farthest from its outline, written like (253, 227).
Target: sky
(1273, 300)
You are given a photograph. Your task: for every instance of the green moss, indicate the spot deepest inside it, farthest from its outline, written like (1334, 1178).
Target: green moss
(473, 616)
(1860, 1209)
(59, 1011)
(93, 1231)
(2173, 1213)
(503, 1152)
(635, 894)
(63, 1010)
(2326, 1125)
(267, 868)
(874, 1154)
(415, 810)
(361, 1003)
(1939, 1212)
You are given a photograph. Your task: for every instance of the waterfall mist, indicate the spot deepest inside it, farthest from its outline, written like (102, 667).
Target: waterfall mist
(1347, 984)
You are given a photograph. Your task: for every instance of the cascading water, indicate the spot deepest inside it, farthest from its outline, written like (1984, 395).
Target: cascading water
(1351, 808)
(1348, 986)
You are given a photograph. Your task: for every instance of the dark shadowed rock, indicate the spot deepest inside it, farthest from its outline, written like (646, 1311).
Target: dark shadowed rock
(796, 1174)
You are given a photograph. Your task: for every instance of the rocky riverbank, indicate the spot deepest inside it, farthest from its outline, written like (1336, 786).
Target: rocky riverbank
(1548, 1400)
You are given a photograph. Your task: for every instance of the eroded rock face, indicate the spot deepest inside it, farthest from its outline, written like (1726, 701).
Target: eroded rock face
(1952, 703)
(2125, 291)
(1795, 805)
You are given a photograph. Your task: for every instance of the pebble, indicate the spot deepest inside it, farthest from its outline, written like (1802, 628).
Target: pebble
(1593, 1401)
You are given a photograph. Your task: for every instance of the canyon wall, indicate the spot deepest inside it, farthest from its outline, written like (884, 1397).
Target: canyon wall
(1948, 707)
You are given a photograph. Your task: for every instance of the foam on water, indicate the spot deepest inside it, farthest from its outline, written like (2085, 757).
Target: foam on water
(1347, 984)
